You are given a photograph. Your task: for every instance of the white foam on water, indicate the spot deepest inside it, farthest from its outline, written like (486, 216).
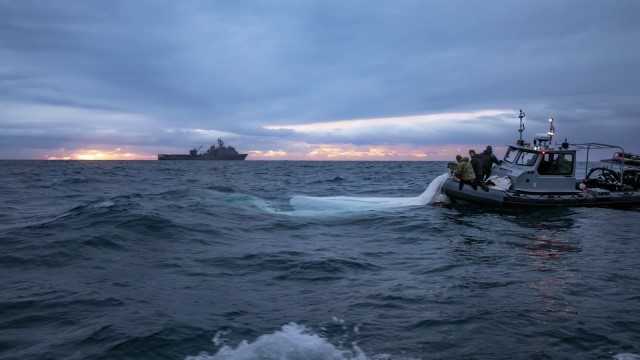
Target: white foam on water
(219, 338)
(328, 205)
(103, 204)
(291, 342)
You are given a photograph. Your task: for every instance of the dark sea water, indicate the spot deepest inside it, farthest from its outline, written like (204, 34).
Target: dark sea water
(242, 260)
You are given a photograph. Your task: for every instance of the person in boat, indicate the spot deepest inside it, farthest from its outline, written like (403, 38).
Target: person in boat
(488, 159)
(476, 163)
(478, 169)
(464, 172)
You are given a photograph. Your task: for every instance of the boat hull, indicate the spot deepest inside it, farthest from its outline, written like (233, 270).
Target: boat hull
(501, 198)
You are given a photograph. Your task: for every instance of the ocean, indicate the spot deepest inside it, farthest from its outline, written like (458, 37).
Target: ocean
(302, 260)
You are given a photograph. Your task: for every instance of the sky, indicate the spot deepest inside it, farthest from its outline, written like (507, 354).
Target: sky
(313, 80)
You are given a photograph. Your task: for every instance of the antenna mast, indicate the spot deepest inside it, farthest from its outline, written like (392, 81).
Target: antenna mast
(521, 116)
(552, 130)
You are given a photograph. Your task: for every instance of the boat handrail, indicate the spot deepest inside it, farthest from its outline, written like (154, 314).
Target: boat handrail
(592, 145)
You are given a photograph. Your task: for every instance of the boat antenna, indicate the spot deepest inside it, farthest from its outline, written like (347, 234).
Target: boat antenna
(521, 116)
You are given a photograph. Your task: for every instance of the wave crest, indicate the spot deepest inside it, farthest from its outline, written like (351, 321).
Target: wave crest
(291, 342)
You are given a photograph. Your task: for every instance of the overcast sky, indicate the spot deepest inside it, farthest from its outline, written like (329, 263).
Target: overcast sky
(313, 79)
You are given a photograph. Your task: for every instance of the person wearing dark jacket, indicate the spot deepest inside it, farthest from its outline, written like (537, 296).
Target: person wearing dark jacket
(478, 169)
(488, 159)
(476, 163)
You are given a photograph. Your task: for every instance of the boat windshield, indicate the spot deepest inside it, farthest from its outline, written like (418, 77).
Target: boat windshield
(527, 158)
(521, 157)
(511, 155)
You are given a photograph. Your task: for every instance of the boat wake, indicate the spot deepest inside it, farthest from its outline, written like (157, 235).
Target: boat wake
(335, 205)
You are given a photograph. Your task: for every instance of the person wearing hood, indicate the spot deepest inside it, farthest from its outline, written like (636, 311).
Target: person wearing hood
(487, 160)
(464, 172)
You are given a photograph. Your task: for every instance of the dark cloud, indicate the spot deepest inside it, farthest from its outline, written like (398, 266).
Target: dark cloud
(133, 70)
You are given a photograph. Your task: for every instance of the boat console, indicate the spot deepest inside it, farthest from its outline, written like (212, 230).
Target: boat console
(536, 170)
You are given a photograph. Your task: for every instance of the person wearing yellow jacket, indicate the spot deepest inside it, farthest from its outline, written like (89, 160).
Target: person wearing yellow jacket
(464, 172)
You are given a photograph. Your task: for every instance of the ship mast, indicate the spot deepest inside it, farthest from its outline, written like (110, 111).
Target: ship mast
(521, 116)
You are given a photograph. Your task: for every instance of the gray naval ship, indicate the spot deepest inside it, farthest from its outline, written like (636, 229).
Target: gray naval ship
(221, 152)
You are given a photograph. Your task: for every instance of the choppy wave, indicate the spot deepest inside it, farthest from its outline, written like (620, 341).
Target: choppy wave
(290, 265)
(335, 179)
(291, 342)
(298, 205)
(144, 259)
(626, 356)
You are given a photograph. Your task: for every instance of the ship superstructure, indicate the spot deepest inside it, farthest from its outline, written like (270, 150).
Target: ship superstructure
(220, 152)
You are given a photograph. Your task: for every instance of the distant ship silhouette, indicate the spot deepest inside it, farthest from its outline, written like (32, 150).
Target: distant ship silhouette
(221, 152)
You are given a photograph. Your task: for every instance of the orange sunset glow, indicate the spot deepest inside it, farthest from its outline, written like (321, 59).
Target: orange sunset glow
(307, 152)
(387, 152)
(99, 154)
(350, 152)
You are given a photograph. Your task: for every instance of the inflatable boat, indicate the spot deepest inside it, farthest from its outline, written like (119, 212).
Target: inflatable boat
(542, 175)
